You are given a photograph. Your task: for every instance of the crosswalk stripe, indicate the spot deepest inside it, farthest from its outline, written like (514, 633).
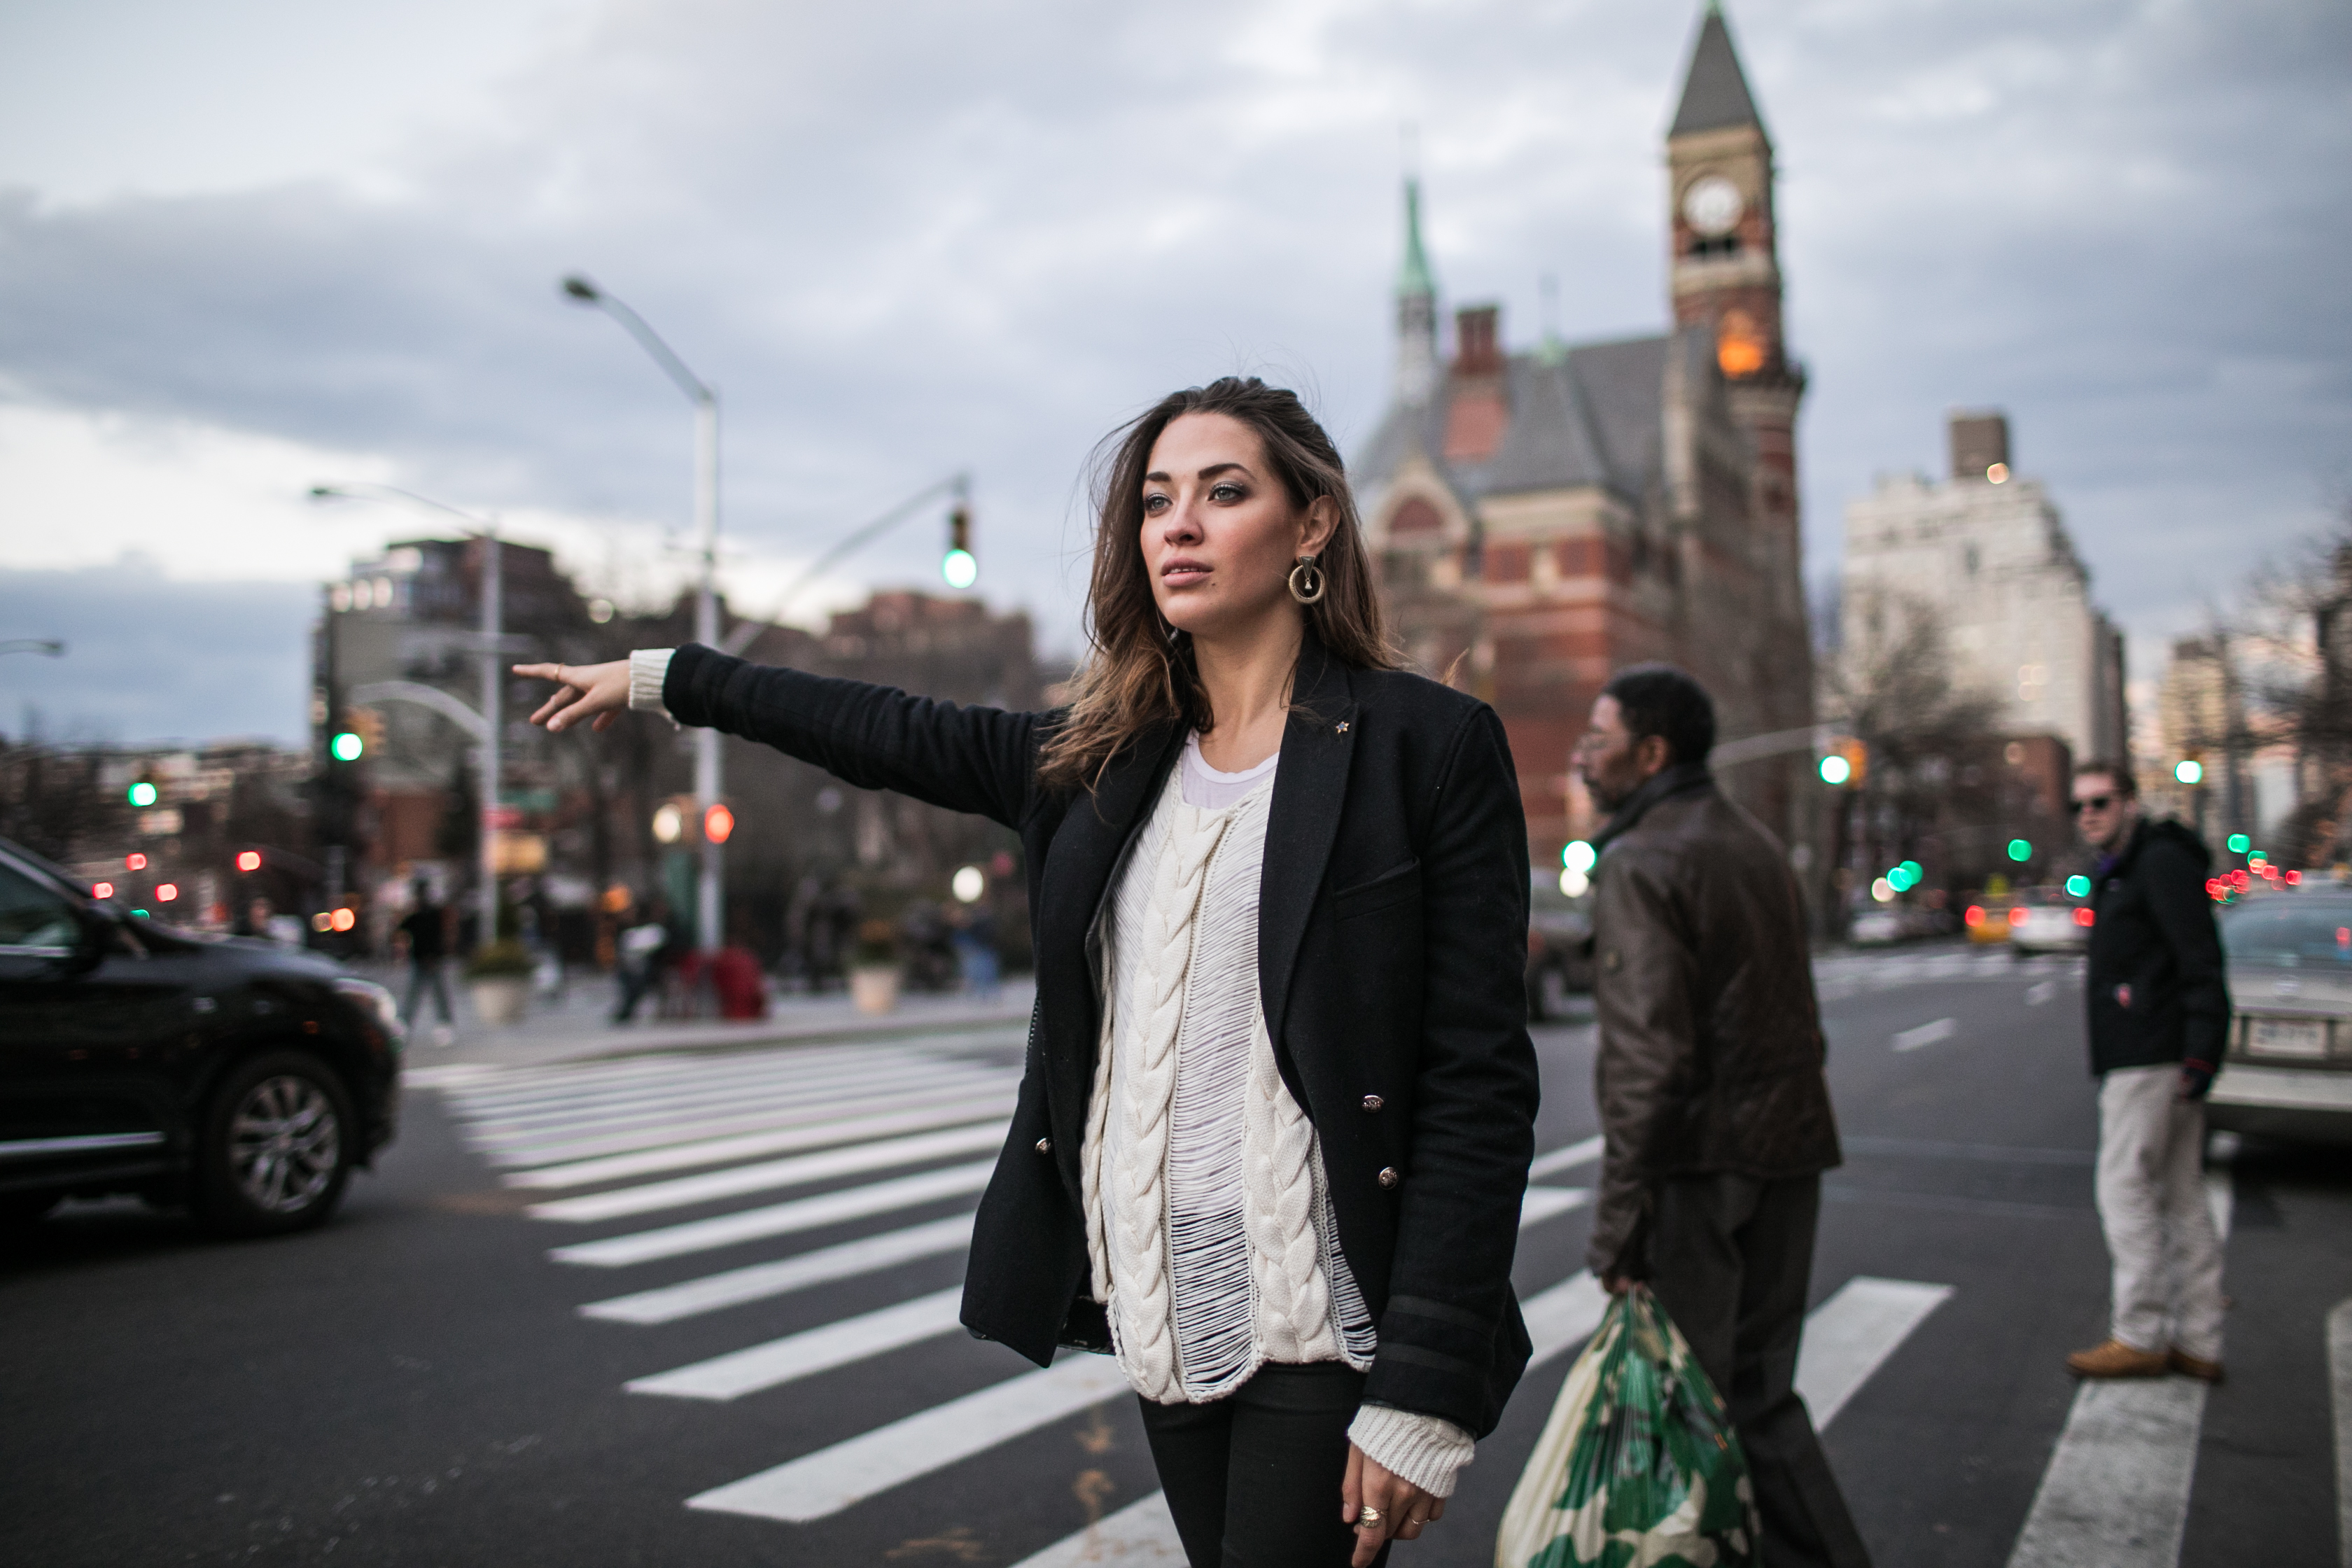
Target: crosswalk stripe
(777, 1219)
(2339, 1383)
(1542, 1203)
(748, 1371)
(759, 1281)
(1850, 1336)
(1140, 1532)
(1878, 1313)
(579, 1082)
(671, 1134)
(1566, 1159)
(2115, 1491)
(1927, 1035)
(797, 1170)
(751, 1145)
(847, 1474)
(730, 1097)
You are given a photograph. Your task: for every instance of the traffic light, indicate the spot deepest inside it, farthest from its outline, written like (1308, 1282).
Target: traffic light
(718, 822)
(346, 747)
(368, 725)
(2020, 850)
(142, 792)
(248, 861)
(134, 861)
(959, 566)
(1845, 764)
(2239, 843)
(2188, 771)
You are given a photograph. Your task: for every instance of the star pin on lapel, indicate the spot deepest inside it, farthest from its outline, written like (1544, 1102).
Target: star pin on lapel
(1341, 727)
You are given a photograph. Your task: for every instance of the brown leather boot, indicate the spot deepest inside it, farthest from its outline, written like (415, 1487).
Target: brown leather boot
(2187, 1365)
(2116, 1358)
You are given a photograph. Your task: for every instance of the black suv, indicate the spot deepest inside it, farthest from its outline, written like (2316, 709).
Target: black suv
(241, 1079)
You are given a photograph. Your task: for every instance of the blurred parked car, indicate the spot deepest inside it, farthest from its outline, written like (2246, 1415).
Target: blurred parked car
(1560, 946)
(233, 1075)
(2043, 919)
(2288, 1070)
(1893, 923)
(1985, 917)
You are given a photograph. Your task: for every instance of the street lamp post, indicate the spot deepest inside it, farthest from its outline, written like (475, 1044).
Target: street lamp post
(493, 635)
(708, 903)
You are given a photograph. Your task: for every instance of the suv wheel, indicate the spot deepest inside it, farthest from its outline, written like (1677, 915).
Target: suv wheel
(277, 1146)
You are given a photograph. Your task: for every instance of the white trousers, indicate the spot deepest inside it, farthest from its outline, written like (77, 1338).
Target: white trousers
(2161, 1235)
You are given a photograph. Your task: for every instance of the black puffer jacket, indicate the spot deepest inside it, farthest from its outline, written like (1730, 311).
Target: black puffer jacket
(2157, 989)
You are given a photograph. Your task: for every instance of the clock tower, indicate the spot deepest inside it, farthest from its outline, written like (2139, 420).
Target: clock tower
(1724, 268)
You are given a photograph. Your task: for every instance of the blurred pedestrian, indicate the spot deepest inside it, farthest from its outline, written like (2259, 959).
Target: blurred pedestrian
(1275, 1164)
(1709, 1080)
(2158, 1001)
(643, 947)
(426, 930)
(975, 947)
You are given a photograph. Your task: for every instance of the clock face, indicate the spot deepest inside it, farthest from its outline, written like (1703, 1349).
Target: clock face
(1713, 206)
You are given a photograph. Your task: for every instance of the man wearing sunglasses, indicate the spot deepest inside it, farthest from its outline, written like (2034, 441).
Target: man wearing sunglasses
(2159, 1014)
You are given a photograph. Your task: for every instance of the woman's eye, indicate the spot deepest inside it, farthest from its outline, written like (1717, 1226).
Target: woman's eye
(1226, 494)
(1154, 503)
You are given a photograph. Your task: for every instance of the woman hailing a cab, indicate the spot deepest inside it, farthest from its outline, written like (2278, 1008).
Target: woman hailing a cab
(1279, 1105)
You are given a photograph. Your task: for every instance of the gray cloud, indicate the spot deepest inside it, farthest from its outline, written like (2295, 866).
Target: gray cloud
(912, 239)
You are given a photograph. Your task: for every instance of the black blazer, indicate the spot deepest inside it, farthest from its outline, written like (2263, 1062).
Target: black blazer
(1392, 921)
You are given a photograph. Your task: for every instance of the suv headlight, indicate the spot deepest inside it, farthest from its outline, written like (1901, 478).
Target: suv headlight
(367, 994)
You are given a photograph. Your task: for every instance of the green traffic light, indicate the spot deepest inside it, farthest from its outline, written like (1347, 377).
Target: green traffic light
(2078, 887)
(2239, 843)
(1835, 769)
(347, 747)
(1911, 870)
(2019, 849)
(143, 794)
(960, 569)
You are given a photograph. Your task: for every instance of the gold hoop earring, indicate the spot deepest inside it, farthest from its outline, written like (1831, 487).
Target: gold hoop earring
(1311, 589)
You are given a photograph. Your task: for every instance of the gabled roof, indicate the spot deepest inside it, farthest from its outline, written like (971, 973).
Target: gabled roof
(1715, 92)
(1590, 416)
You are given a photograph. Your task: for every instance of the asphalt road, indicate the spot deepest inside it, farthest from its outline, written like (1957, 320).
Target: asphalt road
(418, 1384)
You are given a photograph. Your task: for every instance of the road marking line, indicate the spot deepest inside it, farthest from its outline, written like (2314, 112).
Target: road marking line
(737, 1098)
(2339, 1382)
(795, 1356)
(777, 1219)
(847, 1474)
(1567, 1159)
(1140, 1532)
(796, 1170)
(1877, 1314)
(1542, 1203)
(759, 1281)
(2116, 1489)
(751, 1145)
(675, 1077)
(2046, 991)
(597, 1077)
(1849, 1337)
(671, 1134)
(1927, 1033)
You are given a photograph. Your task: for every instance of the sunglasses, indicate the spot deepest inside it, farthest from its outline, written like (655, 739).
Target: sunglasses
(2097, 803)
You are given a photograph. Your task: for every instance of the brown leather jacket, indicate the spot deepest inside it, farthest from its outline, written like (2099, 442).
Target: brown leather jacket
(1711, 1052)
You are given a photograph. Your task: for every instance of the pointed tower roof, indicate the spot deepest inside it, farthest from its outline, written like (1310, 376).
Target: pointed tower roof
(1414, 279)
(1715, 92)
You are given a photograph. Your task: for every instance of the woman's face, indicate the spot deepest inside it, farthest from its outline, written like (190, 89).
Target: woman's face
(1220, 533)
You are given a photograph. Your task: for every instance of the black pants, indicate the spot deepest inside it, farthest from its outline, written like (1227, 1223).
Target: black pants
(1730, 1259)
(1253, 1478)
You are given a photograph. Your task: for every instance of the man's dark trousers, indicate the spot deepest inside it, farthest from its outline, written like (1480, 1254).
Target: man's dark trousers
(1730, 1260)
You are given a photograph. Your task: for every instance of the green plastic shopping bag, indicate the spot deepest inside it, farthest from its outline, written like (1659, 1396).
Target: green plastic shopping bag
(1639, 1466)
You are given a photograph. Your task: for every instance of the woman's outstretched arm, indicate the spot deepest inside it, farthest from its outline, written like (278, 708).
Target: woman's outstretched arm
(978, 760)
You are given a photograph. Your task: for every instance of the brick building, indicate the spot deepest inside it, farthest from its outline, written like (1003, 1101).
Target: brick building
(1542, 518)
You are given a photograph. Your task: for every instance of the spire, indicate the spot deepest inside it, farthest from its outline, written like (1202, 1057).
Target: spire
(1414, 279)
(1715, 92)
(1416, 308)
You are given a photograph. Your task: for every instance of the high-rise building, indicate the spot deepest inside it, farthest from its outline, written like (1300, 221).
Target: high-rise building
(1986, 552)
(1543, 517)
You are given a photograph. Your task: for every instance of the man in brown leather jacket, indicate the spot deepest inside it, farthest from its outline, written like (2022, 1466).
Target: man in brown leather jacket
(1709, 1082)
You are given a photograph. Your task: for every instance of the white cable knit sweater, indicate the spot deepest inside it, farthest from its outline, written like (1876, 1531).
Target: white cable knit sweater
(1211, 1235)
(1209, 1229)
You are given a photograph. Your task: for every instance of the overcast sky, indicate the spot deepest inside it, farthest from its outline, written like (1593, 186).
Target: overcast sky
(254, 244)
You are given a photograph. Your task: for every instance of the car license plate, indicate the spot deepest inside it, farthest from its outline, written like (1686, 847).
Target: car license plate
(2286, 1038)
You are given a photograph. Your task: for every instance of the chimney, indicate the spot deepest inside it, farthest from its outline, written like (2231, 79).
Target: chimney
(1476, 350)
(1980, 445)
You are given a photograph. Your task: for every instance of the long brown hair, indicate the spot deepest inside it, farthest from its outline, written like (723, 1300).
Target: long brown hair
(1139, 671)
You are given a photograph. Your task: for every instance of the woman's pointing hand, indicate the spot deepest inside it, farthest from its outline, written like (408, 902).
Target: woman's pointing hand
(594, 692)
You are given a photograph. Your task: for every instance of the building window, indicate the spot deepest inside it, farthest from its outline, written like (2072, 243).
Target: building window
(1720, 245)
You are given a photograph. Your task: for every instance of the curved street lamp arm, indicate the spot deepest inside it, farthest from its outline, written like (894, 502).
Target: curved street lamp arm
(588, 293)
(394, 494)
(432, 697)
(748, 632)
(50, 648)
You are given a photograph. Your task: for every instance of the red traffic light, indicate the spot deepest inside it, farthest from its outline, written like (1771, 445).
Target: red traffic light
(718, 823)
(134, 862)
(101, 890)
(248, 861)
(167, 892)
